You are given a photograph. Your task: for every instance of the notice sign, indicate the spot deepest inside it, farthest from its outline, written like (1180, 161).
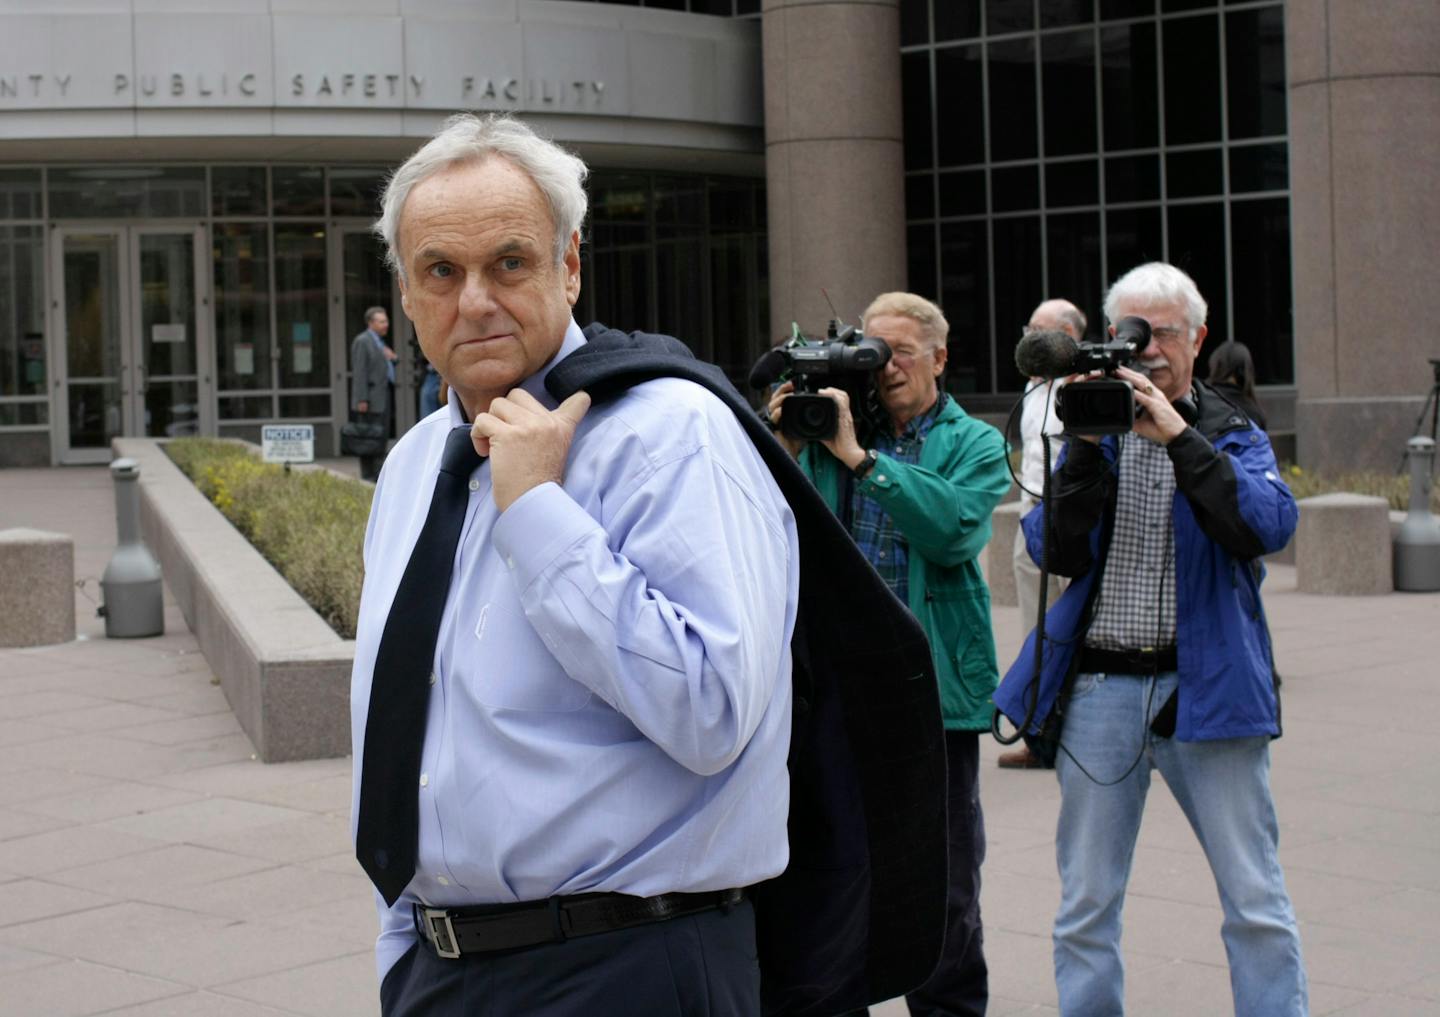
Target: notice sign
(288, 443)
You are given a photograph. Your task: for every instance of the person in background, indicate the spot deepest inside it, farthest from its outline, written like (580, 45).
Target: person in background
(1038, 418)
(372, 367)
(429, 391)
(916, 489)
(1232, 374)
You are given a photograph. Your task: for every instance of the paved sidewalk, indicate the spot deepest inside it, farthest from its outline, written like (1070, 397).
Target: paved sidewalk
(150, 867)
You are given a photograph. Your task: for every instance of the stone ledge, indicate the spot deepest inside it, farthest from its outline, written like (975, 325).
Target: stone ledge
(284, 670)
(1343, 546)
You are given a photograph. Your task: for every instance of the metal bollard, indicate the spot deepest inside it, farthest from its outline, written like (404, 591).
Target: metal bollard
(1417, 545)
(134, 604)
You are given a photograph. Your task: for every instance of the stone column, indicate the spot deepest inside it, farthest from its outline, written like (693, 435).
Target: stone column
(834, 164)
(1364, 84)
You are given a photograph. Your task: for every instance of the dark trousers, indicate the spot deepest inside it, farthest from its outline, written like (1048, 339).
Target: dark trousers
(959, 986)
(700, 965)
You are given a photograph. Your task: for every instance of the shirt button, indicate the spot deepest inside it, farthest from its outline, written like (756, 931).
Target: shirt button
(432, 677)
(442, 880)
(509, 562)
(474, 485)
(424, 780)
(880, 478)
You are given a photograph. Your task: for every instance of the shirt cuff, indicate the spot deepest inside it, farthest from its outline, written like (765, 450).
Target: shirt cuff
(536, 528)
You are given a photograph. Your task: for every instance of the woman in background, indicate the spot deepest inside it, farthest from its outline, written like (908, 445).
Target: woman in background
(1232, 372)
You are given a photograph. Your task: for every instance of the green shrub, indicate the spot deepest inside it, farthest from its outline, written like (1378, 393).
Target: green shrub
(1393, 487)
(309, 524)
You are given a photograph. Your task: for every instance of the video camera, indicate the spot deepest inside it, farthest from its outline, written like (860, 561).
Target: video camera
(1098, 405)
(842, 359)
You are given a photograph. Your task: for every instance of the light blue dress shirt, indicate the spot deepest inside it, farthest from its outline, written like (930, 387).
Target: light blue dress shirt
(389, 364)
(610, 707)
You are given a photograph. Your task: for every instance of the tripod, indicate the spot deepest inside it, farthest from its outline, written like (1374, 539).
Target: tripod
(1431, 406)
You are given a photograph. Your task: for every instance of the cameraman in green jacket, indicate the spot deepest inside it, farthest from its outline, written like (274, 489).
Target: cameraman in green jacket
(915, 482)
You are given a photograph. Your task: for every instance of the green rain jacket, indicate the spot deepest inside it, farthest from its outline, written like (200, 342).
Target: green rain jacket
(941, 506)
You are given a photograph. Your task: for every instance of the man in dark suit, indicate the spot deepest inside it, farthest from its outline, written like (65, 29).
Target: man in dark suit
(372, 374)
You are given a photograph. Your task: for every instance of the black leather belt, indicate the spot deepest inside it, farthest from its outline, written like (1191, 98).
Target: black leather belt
(1148, 661)
(456, 931)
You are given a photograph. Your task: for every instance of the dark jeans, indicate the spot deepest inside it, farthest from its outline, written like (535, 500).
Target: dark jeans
(959, 986)
(697, 966)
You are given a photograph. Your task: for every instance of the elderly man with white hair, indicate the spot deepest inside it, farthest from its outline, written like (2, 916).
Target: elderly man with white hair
(1157, 656)
(571, 699)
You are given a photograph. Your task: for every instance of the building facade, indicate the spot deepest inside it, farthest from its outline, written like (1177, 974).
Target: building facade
(186, 190)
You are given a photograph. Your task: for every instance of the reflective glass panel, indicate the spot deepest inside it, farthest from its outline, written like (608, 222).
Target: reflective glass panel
(300, 320)
(1072, 183)
(1259, 168)
(1132, 237)
(20, 194)
(962, 192)
(1072, 242)
(965, 299)
(237, 191)
(680, 292)
(1255, 71)
(298, 190)
(1197, 245)
(1260, 267)
(1132, 178)
(1055, 13)
(242, 306)
(957, 19)
(920, 256)
(1129, 80)
(1068, 69)
(1194, 174)
(920, 196)
(915, 107)
(1012, 99)
(961, 111)
(1015, 188)
(168, 334)
(914, 22)
(1192, 77)
(355, 190)
(1019, 286)
(22, 311)
(1002, 16)
(123, 192)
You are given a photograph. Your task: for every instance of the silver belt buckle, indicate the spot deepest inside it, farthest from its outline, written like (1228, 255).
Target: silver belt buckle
(441, 932)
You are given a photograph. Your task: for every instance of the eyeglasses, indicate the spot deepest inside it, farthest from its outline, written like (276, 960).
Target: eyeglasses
(907, 358)
(1168, 333)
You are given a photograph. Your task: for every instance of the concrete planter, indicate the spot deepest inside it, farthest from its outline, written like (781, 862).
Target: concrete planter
(283, 669)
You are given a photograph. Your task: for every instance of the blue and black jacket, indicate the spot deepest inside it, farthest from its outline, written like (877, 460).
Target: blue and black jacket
(1231, 507)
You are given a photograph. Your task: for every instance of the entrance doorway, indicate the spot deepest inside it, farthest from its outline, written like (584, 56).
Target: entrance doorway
(130, 336)
(362, 280)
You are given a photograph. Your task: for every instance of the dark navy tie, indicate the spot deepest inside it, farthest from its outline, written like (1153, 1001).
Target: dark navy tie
(389, 822)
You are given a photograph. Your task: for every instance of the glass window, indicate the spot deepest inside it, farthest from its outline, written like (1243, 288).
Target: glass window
(124, 192)
(1260, 253)
(680, 289)
(242, 307)
(1012, 99)
(1132, 237)
(1192, 77)
(1259, 167)
(1194, 174)
(1072, 183)
(24, 415)
(920, 196)
(957, 19)
(962, 192)
(965, 298)
(1132, 178)
(620, 198)
(959, 91)
(1057, 13)
(309, 404)
(238, 190)
(732, 283)
(300, 319)
(914, 22)
(915, 108)
(247, 407)
(1129, 82)
(1072, 242)
(920, 256)
(1197, 245)
(22, 311)
(1255, 71)
(20, 194)
(1002, 16)
(1114, 9)
(680, 200)
(1068, 69)
(1019, 285)
(355, 190)
(298, 190)
(1015, 188)
(1177, 6)
(731, 205)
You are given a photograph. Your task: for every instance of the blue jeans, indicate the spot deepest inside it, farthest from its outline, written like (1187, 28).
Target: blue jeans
(1223, 787)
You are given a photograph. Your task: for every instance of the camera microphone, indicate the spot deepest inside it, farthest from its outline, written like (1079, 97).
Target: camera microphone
(1046, 354)
(768, 368)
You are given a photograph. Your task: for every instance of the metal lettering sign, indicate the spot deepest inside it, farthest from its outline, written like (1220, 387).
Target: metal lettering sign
(287, 443)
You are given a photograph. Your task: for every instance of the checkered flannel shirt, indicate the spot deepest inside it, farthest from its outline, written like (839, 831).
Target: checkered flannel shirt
(1137, 592)
(870, 524)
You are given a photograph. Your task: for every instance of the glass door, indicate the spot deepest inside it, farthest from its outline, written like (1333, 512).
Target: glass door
(360, 280)
(129, 309)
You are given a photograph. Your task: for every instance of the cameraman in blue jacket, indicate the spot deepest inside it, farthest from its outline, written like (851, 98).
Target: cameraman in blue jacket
(1158, 656)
